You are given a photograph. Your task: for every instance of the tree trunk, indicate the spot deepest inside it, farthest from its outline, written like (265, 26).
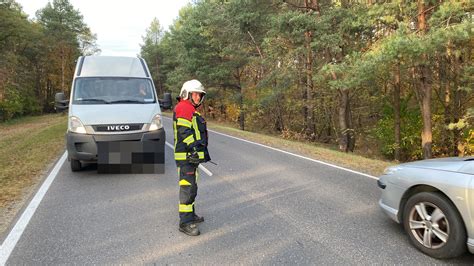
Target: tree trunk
(47, 96)
(279, 124)
(425, 90)
(238, 76)
(350, 132)
(346, 138)
(158, 77)
(62, 68)
(444, 76)
(456, 108)
(302, 89)
(456, 116)
(242, 112)
(425, 93)
(309, 86)
(308, 35)
(396, 113)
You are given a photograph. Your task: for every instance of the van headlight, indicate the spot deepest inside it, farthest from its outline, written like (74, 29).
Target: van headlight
(156, 123)
(76, 126)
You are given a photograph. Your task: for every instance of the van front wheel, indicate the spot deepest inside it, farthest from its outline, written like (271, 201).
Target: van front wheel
(75, 165)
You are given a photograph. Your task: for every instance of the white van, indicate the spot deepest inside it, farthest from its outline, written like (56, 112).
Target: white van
(113, 100)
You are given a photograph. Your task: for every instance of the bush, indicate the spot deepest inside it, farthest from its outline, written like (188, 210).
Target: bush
(11, 105)
(411, 124)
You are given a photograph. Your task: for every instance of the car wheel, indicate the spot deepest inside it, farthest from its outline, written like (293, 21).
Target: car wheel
(434, 225)
(75, 165)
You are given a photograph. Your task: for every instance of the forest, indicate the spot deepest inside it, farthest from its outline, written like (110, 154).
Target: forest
(37, 58)
(386, 79)
(391, 79)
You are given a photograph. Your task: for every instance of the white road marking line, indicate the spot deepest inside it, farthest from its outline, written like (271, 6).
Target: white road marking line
(293, 154)
(204, 169)
(15, 234)
(297, 155)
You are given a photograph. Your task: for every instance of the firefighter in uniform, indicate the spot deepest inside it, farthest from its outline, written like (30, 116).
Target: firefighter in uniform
(190, 149)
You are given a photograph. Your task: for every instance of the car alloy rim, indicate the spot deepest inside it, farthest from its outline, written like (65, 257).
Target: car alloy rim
(429, 225)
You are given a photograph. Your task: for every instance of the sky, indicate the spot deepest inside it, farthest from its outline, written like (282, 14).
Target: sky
(119, 24)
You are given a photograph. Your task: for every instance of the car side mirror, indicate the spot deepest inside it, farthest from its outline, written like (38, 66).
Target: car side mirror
(166, 102)
(60, 102)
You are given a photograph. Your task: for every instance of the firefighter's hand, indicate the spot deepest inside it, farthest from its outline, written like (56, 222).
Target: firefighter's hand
(193, 157)
(197, 144)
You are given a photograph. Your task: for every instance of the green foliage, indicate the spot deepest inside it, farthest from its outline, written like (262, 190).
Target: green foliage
(37, 59)
(61, 21)
(12, 105)
(152, 52)
(410, 128)
(287, 63)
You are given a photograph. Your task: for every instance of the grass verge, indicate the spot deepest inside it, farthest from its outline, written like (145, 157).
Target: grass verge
(27, 146)
(348, 160)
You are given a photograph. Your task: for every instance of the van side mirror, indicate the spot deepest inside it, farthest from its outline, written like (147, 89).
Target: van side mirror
(166, 102)
(60, 102)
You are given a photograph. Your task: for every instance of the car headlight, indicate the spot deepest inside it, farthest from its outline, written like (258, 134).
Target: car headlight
(156, 123)
(76, 126)
(391, 170)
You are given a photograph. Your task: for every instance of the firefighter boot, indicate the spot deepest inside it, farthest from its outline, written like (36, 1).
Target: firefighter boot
(197, 219)
(190, 229)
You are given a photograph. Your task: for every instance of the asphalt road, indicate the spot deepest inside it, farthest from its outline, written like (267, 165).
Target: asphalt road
(261, 207)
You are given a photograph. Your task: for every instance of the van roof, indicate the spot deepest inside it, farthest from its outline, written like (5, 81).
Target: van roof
(111, 66)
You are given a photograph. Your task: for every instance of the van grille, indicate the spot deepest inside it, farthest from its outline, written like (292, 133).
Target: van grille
(117, 127)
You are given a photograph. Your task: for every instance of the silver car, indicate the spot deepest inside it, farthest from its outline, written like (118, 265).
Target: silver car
(434, 200)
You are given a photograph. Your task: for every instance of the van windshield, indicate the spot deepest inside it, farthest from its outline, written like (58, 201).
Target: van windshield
(113, 90)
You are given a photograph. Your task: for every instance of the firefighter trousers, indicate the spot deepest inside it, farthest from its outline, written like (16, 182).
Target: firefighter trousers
(188, 175)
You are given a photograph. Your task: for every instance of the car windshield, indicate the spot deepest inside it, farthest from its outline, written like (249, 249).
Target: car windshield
(113, 90)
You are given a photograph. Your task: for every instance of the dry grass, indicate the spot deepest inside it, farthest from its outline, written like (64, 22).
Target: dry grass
(27, 147)
(352, 161)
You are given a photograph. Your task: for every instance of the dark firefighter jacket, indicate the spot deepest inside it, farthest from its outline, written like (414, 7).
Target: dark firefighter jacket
(190, 133)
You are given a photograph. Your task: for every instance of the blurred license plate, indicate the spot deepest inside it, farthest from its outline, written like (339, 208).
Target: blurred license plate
(130, 157)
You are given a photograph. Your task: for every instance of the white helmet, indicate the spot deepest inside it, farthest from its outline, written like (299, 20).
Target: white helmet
(192, 86)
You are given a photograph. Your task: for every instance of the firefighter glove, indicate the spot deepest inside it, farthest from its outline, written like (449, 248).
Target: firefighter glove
(193, 157)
